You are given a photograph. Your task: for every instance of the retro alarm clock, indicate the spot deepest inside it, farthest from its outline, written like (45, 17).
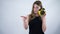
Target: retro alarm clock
(41, 12)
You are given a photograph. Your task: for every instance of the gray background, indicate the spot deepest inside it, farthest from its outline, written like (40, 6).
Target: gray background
(11, 10)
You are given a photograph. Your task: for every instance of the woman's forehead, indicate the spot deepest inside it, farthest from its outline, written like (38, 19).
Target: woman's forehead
(35, 5)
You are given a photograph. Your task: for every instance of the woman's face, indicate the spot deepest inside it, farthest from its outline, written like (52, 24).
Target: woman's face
(36, 8)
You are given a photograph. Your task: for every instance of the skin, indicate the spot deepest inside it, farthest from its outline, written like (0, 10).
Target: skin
(26, 18)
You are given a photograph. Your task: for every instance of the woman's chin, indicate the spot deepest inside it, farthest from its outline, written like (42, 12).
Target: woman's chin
(35, 12)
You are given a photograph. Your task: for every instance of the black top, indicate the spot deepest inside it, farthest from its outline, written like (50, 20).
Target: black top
(35, 26)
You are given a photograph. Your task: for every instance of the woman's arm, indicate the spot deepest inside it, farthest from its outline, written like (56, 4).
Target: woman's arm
(25, 20)
(44, 23)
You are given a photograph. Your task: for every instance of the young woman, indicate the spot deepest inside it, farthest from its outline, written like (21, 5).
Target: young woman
(37, 24)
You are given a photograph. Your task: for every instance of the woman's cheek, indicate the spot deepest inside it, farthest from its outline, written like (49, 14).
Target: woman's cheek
(35, 10)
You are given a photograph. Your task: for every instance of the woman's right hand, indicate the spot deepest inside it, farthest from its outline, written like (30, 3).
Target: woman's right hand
(24, 18)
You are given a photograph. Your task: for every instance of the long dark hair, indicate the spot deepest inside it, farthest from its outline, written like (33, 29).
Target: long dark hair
(32, 15)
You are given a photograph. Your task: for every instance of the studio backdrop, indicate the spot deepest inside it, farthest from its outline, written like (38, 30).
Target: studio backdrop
(12, 23)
